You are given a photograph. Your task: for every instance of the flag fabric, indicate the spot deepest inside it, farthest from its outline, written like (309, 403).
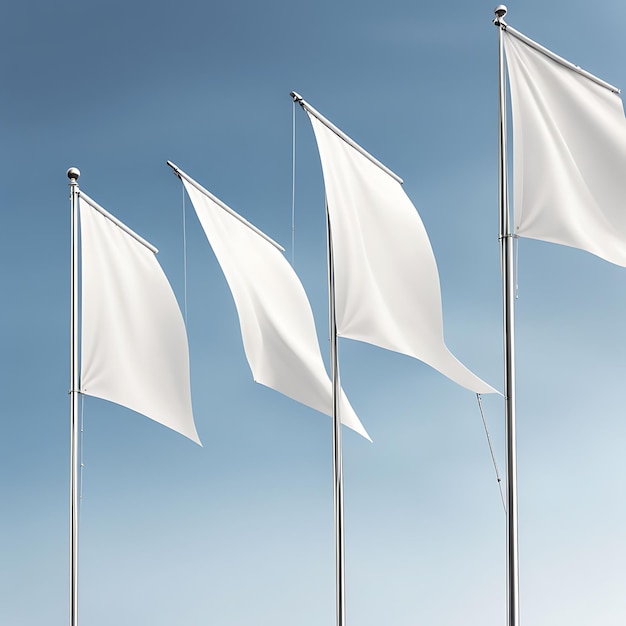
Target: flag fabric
(387, 289)
(133, 340)
(277, 326)
(569, 152)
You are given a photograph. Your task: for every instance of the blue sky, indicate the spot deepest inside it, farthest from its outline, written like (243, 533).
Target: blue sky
(241, 531)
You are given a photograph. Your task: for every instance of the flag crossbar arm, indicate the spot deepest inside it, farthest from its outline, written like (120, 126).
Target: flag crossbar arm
(557, 58)
(226, 208)
(307, 107)
(94, 205)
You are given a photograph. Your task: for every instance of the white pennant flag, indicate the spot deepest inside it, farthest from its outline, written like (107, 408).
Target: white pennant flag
(386, 280)
(133, 340)
(569, 136)
(275, 316)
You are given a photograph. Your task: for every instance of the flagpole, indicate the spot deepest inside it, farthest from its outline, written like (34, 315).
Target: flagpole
(336, 386)
(508, 297)
(337, 449)
(73, 173)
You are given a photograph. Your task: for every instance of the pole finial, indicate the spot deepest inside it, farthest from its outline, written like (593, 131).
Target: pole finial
(500, 12)
(73, 173)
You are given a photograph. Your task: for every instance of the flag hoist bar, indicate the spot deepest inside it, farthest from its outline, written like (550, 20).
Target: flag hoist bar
(226, 208)
(309, 109)
(551, 55)
(94, 205)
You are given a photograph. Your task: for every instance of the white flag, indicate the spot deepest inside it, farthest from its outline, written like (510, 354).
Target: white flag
(386, 280)
(277, 325)
(569, 136)
(133, 341)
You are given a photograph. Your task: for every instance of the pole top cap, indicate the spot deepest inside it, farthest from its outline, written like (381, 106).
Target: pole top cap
(73, 173)
(500, 11)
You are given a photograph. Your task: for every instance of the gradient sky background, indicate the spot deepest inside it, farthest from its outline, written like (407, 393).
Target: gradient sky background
(240, 532)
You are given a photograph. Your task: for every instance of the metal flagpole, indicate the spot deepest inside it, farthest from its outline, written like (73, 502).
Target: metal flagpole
(508, 296)
(73, 173)
(337, 456)
(334, 364)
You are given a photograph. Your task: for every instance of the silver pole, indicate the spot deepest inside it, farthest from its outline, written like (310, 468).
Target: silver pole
(73, 174)
(508, 296)
(337, 456)
(336, 384)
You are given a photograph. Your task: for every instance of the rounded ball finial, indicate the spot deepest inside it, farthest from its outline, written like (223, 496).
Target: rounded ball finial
(73, 173)
(500, 11)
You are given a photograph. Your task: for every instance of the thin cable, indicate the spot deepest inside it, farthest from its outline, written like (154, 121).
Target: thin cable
(293, 183)
(82, 463)
(493, 457)
(516, 268)
(182, 186)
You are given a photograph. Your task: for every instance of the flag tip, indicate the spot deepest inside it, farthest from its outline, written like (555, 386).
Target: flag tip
(73, 173)
(500, 12)
(174, 168)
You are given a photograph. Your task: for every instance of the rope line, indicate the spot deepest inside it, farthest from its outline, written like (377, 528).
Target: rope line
(182, 186)
(293, 183)
(493, 456)
(82, 459)
(516, 267)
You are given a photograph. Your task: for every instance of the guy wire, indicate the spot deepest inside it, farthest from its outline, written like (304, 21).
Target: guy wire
(493, 457)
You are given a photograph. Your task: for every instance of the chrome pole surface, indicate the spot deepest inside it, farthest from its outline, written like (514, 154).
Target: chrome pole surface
(508, 297)
(337, 452)
(73, 174)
